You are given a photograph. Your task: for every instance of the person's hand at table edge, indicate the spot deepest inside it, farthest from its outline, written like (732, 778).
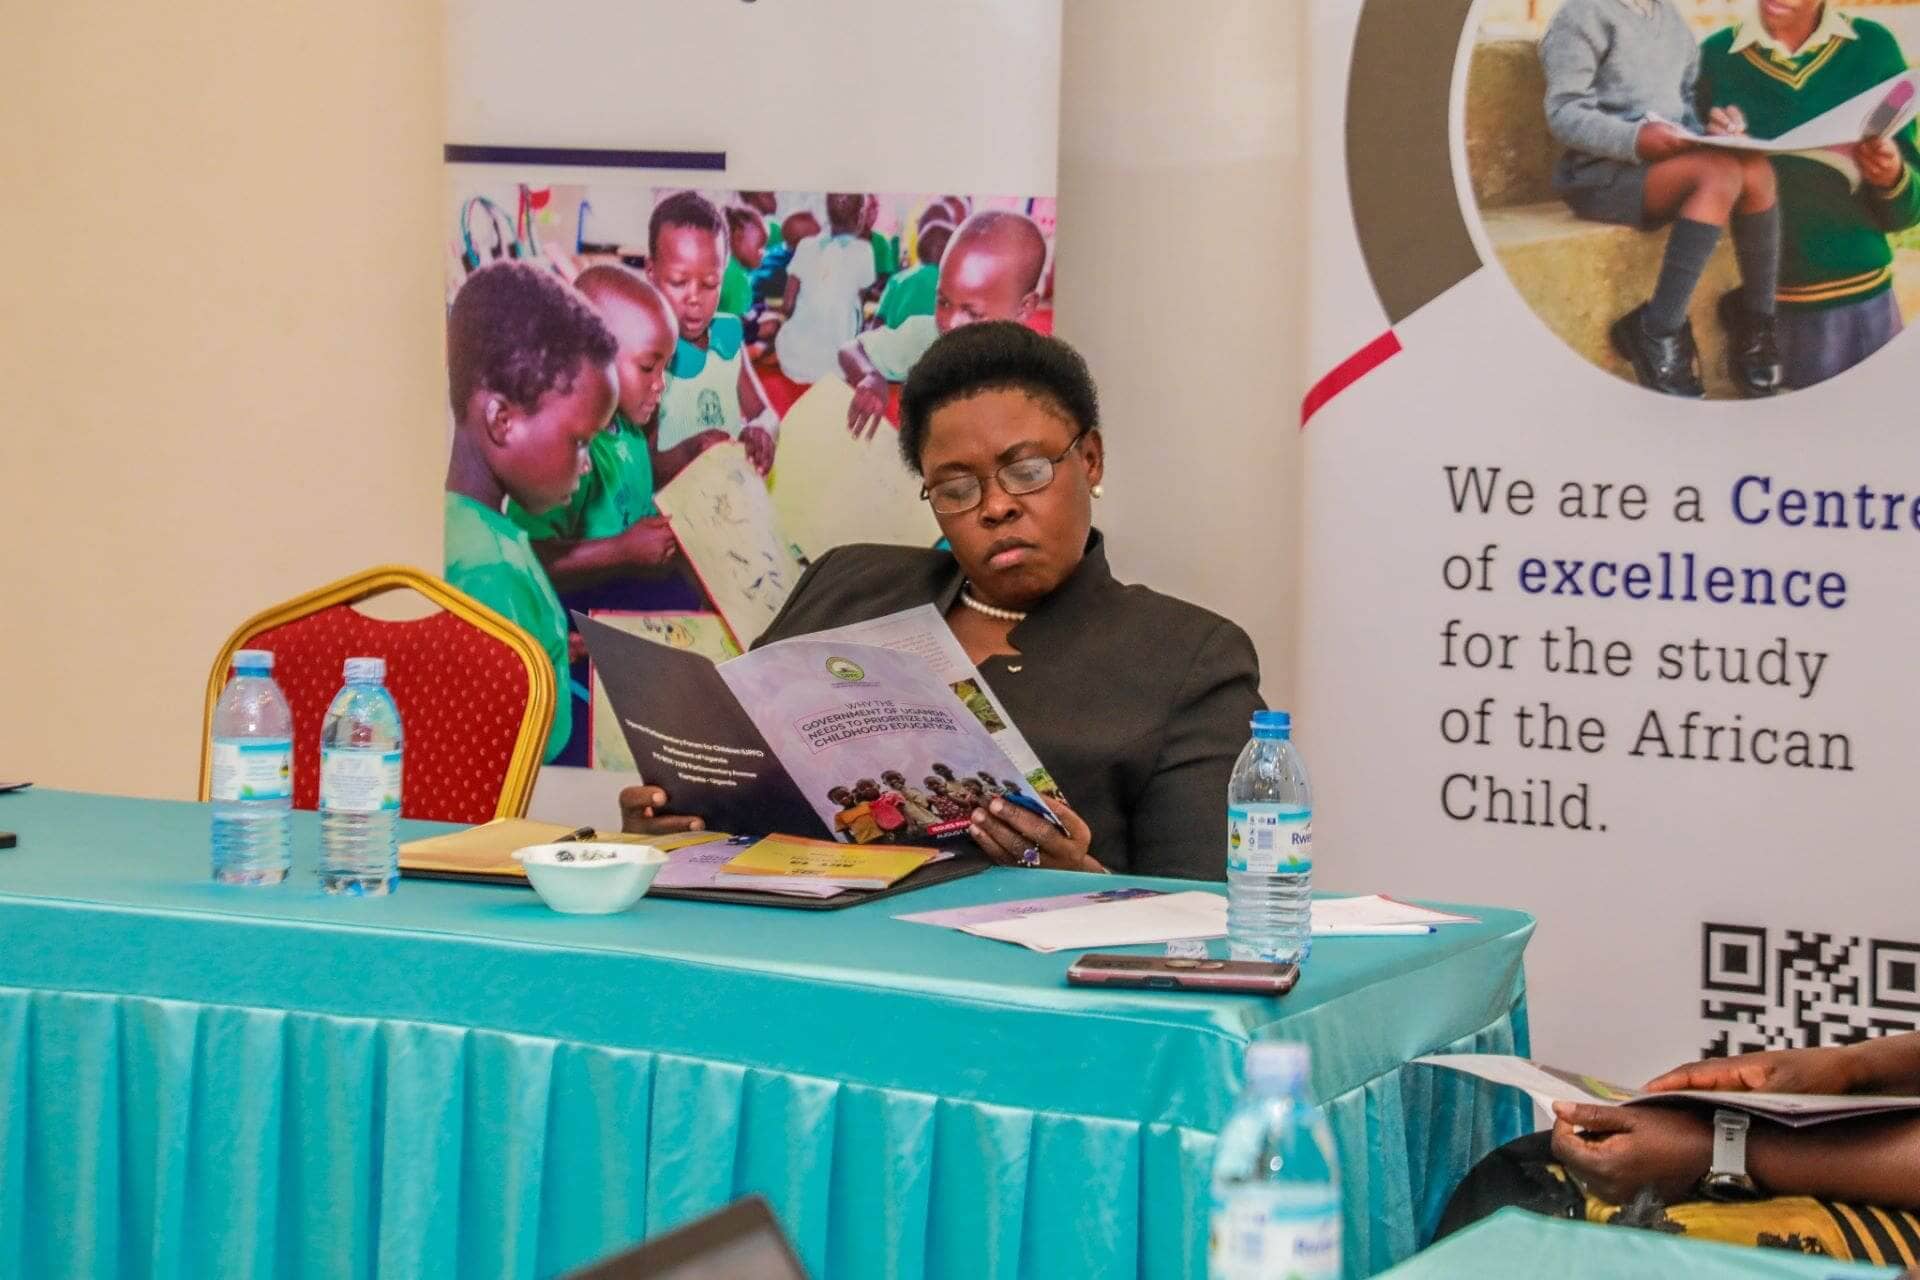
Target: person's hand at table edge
(1016, 837)
(643, 812)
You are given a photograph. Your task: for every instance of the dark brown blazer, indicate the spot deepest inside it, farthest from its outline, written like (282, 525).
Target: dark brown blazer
(1137, 703)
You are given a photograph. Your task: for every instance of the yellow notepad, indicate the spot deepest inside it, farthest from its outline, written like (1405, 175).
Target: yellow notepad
(850, 866)
(487, 850)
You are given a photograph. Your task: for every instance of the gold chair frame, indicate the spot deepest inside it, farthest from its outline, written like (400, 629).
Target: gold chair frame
(529, 746)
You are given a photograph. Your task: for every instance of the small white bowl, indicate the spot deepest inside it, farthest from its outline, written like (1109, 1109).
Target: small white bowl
(587, 879)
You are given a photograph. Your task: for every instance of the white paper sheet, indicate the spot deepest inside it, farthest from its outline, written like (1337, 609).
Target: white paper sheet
(725, 525)
(1375, 916)
(1134, 922)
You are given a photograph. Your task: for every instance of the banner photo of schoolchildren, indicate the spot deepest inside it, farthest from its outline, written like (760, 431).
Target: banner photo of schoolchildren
(1714, 199)
(603, 335)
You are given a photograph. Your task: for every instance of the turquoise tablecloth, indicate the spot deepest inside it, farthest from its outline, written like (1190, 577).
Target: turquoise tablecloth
(1525, 1246)
(203, 1080)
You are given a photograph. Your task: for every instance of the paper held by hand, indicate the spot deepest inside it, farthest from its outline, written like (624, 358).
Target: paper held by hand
(1548, 1085)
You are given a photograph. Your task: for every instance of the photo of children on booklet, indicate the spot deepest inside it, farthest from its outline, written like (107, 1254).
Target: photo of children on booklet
(891, 810)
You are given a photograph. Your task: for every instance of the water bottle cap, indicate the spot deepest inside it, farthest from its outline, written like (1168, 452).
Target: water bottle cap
(366, 670)
(1277, 1064)
(253, 660)
(1272, 724)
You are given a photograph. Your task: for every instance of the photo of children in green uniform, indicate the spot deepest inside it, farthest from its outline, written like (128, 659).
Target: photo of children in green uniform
(1607, 145)
(707, 314)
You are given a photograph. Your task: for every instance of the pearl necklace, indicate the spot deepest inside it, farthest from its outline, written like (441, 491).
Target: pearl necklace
(1003, 615)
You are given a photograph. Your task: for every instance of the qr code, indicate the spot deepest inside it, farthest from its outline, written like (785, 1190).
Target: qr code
(1794, 989)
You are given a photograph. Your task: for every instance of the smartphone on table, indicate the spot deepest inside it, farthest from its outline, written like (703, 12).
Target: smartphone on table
(1182, 973)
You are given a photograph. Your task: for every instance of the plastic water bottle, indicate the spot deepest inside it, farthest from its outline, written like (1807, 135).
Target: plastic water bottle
(252, 775)
(360, 754)
(1276, 1180)
(1270, 847)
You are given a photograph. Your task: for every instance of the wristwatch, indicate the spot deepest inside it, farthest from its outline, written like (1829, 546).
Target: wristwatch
(1727, 1178)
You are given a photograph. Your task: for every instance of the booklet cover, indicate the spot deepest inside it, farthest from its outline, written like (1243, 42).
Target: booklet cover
(808, 737)
(924, 633)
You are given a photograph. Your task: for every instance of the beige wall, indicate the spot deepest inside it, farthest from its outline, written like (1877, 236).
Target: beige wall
(221, 342)
(1182, 277)
(218, 217)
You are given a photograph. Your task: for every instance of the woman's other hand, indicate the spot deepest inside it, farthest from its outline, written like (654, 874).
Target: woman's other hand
(643, 812)
(1004, 831)
(1780, 1071)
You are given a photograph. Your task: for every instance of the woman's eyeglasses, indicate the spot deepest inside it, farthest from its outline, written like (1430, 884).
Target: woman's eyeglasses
(957, 494)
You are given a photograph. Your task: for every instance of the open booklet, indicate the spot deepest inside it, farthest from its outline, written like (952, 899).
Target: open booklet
(811, 737)
(1548, 1085)
(1830, 137)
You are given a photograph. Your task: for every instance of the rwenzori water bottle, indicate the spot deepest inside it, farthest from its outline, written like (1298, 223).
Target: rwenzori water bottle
(360, 754)
(1276, 1180)
(1270, 847)
(252, 775)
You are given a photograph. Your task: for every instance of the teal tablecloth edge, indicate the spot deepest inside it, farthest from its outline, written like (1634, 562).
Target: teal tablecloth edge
(915, 1102)
(853, 995)
(1527, 1246)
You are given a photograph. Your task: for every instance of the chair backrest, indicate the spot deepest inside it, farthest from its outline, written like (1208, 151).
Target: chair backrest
(475, 692)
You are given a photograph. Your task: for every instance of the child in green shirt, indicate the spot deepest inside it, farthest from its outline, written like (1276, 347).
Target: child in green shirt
(914, 291)
(1798, 60)
(612, 528)
(711, 384)
(531, 382)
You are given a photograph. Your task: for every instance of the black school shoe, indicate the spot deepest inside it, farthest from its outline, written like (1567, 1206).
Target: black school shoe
(1753, 352)
(1669, 365)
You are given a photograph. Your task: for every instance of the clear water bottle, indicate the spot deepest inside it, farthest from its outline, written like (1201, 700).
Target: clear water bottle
(252, 775)
(360, 753)
(1276, 1180)
(1270, 847)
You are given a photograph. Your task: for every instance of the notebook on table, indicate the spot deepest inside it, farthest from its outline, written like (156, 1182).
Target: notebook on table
(484, 854)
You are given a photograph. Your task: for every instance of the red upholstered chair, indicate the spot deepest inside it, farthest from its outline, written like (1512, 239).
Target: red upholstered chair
(475, 692)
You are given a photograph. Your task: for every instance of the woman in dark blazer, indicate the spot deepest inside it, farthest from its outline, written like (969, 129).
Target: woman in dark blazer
(1137, 703)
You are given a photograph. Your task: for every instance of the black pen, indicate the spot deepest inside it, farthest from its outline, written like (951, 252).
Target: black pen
(582, 833)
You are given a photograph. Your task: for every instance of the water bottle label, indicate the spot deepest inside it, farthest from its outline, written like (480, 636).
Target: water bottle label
(357, 781)
(1258, 1233)
(1269, 838)
(256, 769)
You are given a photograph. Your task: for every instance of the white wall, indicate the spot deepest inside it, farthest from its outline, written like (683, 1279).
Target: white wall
(1181, 277)
(220, 338)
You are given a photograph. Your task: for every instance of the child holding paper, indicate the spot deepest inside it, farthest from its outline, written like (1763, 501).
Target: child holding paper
(1621, 78)
(611, 527)
(531, 382)
(1797, 61)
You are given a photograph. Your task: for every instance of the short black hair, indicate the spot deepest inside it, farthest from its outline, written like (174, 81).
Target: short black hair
(994, 355)
(684, 209)
(520, 331)
(740, 216)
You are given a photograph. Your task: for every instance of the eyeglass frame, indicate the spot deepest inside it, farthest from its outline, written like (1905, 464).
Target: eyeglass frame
(1053, 471)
